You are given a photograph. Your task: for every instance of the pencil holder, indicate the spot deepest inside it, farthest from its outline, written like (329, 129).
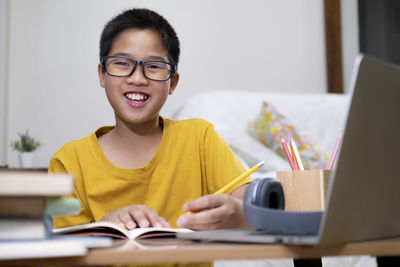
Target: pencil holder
(304, 190)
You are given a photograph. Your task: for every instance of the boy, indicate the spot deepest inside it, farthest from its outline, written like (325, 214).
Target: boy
(143, 170)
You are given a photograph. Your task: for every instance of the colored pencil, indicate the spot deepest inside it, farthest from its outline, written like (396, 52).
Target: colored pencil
(285, 148)
(296, 155)
(291, 150)
(334, 153)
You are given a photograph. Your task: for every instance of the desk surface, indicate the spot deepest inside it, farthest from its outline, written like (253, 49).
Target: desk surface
(127, 252)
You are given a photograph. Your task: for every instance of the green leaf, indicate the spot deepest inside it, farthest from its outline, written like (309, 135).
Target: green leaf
(25, 143)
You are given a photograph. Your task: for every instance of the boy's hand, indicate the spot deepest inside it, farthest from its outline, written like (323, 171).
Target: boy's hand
(213, 212)
(134, 216)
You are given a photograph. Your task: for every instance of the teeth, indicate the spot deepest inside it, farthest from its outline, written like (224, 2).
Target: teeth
(136, 97)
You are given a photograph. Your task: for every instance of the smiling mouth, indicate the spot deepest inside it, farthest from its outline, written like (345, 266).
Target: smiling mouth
(136, 97)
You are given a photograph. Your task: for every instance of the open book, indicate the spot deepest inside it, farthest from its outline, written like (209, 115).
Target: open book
(116, 231)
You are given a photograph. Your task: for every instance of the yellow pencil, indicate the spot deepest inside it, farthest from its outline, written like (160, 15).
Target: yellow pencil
(296, 154)
(239, 178)
(236, 181)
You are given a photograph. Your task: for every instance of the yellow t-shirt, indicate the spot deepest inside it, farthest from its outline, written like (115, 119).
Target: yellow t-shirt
(192, 160)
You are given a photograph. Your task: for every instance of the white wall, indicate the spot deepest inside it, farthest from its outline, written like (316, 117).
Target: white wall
(264, 45)
(3, 80)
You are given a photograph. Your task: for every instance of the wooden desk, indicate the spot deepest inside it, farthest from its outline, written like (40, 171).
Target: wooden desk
(128, 253)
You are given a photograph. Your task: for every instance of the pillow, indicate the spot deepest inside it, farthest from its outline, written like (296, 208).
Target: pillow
(271, 126)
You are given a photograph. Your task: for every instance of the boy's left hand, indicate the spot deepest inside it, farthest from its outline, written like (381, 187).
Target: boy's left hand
(213, 212)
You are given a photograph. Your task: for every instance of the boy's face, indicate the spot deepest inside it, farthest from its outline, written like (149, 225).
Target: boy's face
(136, 99)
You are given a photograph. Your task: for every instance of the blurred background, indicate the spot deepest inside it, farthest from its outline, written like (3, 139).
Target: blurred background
(49, 57)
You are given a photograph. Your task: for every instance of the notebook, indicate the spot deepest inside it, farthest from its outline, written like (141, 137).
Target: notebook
(364, 191)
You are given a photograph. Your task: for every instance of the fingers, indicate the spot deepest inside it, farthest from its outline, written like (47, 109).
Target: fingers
(205, 203)
(136, 216)
(208, 219)
(155, 220)
(217, 211)
(113, 217)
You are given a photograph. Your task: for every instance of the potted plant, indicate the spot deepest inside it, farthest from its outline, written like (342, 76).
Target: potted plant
(25, 145)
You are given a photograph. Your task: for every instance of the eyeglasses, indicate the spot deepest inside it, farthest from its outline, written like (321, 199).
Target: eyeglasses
(121, 66)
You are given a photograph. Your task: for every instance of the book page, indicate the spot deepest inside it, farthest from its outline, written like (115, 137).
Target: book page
(114, 230)
(142, 233)
(95, 229)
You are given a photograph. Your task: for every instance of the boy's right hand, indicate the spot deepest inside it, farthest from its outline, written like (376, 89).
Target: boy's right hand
(134, 216)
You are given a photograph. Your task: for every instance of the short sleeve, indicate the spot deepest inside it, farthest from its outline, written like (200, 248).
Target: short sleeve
(221, 164)
(56, 166)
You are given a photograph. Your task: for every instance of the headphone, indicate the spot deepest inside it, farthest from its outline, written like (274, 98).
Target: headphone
(264, 204)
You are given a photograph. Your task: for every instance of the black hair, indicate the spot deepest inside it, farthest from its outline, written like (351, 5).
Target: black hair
(141, 18)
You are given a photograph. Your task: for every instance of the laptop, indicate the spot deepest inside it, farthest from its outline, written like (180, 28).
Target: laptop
(363, 199)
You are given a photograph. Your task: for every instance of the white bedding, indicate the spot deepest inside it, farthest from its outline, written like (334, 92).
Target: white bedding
(319, 115)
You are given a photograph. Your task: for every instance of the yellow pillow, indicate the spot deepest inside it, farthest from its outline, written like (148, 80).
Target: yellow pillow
(271, 126)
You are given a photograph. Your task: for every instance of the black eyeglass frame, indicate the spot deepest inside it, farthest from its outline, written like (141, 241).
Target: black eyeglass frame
(137, 62)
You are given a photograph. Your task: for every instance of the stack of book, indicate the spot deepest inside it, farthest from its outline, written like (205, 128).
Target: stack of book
(28, 202)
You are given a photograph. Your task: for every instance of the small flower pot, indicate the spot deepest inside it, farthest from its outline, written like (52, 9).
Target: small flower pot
(25, 159)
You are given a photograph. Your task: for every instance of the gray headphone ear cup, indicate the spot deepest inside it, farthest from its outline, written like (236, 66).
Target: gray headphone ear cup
(269, 194)
(263, 205)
